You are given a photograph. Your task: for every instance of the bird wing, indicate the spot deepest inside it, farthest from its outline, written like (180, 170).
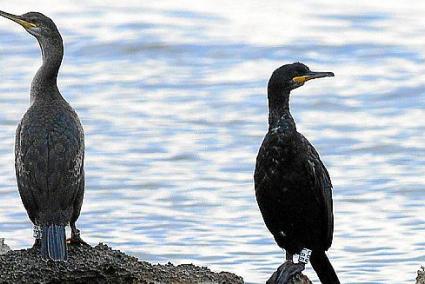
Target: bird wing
(271, 157)
(78, 202)
(268, 162)
(322, 188)
(49, 160)
(65, 158)
(24, 180)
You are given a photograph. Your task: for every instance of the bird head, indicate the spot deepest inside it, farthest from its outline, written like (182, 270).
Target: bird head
(291, 76)
(35, 23)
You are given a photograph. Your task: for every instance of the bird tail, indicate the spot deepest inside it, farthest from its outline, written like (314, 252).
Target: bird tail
(323, 267)
(53, 243)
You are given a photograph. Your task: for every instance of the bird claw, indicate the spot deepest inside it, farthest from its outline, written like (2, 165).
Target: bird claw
(286, 272)
(76, 240)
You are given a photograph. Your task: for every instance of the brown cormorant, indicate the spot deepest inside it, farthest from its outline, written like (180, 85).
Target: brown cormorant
(49, 148)
(292, 186)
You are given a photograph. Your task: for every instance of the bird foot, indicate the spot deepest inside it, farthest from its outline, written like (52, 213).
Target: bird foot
(76, 240)
(286, 272)
(37, 244)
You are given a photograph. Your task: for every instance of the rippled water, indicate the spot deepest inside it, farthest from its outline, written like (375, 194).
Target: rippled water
(172, 98)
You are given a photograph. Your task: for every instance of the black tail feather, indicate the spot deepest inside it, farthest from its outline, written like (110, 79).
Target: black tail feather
(53, 243)
(323, 267)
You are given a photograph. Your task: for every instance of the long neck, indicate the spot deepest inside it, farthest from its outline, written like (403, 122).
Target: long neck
(279, 108)
(44, 85)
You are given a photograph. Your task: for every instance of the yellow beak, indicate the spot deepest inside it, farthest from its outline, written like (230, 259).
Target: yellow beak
(312, 75)
(18, 19)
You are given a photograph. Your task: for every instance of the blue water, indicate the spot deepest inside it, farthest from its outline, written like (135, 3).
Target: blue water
(172, 97)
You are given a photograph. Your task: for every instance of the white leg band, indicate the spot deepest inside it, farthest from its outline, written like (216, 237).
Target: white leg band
(37, 232)
(304, 256)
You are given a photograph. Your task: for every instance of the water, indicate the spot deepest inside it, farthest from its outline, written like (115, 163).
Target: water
(172, 99)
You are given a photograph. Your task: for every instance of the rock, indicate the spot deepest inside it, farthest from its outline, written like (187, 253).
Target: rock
(421, 276)
(297, 279)
(3, 247)
(289, 269)
(101, 264)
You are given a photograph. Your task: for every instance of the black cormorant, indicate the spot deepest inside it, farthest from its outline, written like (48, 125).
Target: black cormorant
(49, 148)
(292, 186)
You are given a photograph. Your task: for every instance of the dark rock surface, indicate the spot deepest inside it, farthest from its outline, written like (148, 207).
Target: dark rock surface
(101, 264)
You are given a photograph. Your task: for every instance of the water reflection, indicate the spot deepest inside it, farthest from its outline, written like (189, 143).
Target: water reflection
(172, 98)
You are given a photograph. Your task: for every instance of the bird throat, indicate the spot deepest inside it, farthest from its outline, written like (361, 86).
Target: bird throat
(278, 107)
(44, 85)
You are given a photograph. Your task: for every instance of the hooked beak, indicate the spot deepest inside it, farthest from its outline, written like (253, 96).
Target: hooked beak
(300, 80)
(18, 19)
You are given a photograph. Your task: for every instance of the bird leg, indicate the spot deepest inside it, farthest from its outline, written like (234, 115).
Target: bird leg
(75, 237)
(286, 271)
(37, 244)
(289, 256)
(37, 234)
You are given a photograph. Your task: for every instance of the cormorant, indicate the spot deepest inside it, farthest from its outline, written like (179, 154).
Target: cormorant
(292, 186)
(49, 147)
